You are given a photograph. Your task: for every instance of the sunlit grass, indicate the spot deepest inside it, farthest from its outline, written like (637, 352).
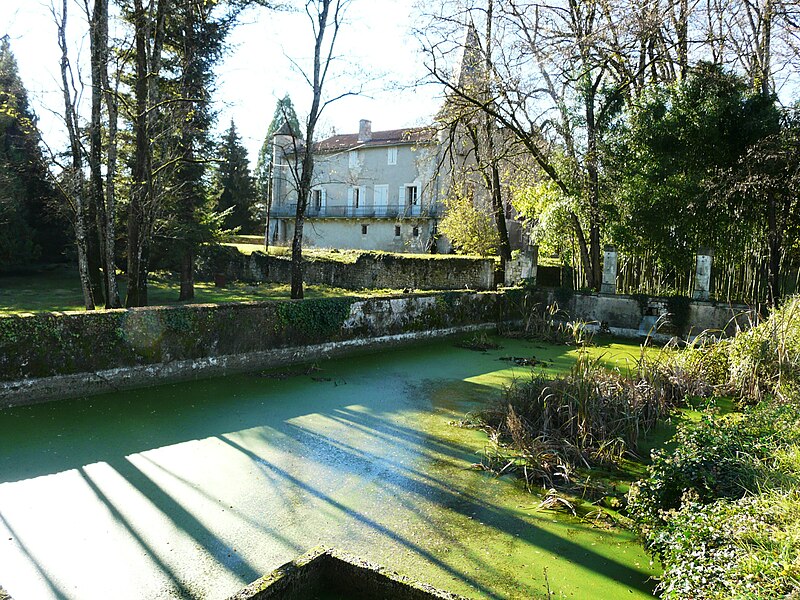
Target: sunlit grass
(58, 289)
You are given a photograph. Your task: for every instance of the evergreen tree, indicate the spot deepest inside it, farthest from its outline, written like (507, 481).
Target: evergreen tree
(195, 35)
(236, 191)
(284, 112)
(28, 228)
(666, 155)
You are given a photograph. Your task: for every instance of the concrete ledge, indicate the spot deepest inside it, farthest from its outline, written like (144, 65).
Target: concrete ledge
(331, 571)
(60, 387)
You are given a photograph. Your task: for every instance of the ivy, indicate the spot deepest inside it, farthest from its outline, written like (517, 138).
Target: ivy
(313, 318)
(679, 308)
(643, 300)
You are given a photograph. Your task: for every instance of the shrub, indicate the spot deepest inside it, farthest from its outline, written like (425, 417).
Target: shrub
(745, 548)
(765, 360)
(718, 458)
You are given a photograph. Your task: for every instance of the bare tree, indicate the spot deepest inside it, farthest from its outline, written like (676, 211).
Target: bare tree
(476, 130)
(75, 188)
(103, 193)
(546, 77)
(326, 17)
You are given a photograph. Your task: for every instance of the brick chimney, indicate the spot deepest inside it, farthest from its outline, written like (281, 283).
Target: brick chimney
(364, 130)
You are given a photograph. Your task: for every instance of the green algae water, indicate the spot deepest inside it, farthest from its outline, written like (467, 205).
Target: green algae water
(193, 490)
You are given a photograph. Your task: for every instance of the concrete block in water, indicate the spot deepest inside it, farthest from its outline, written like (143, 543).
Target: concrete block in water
(331, 572)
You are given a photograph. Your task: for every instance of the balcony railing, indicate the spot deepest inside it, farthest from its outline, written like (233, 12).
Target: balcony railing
(351, 212)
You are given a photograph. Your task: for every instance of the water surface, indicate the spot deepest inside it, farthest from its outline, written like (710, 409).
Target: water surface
(193, 490)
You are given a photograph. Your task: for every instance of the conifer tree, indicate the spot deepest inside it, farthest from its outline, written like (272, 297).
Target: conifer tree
(235, 187)
(29, 227)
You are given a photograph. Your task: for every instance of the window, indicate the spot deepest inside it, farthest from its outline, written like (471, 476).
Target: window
(356, 197)
(364, 229)
(412, 198)
(415, 232)
(397, 231)
(316, 200)
(353, 158)
(392, 156)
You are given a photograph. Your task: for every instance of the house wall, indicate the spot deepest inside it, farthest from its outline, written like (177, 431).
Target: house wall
(415, 166)
(346, 233)
(334, 224)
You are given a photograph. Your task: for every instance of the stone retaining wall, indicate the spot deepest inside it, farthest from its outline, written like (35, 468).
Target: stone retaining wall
(371, 270)
(59, 355)
(328, 571)
(637, 316)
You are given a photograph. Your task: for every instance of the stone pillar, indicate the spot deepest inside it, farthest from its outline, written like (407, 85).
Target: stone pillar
(609, 285)
(533, 254)
(523, 267)
(702, 274)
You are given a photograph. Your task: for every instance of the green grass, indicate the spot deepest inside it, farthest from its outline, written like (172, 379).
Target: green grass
(247, 244)
(343, 256)
(58, 289)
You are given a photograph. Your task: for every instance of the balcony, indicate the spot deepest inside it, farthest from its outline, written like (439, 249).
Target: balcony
(362, 212)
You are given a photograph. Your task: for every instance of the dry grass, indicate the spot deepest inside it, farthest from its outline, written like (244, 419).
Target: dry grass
(545, 429)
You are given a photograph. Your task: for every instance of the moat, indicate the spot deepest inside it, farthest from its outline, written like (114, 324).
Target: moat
(194, 490)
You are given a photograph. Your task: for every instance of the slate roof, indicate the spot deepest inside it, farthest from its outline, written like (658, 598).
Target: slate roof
(392, 137)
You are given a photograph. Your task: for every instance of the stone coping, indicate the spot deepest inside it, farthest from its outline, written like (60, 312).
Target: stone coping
(330, 571)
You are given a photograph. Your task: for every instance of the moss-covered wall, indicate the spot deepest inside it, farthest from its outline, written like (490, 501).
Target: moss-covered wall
(326, 572)
(37, 347)
(371, 270)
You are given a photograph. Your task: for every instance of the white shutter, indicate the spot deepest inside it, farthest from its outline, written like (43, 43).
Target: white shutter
(323, 199)
(349, 197)
(401, 199)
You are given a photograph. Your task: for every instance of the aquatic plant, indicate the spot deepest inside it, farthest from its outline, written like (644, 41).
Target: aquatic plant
(545, 429)
(547, 323)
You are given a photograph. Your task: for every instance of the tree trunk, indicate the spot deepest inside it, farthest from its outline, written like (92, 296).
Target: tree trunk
(148, 44)
(187, 276)
(595, 274)
(297, 255)
(75, 176)
(137, 280)
(105, 205)
(97, 251)
(186, 196)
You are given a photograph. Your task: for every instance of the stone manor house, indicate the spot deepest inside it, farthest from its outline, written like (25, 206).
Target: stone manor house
(373, 190)
(378, 190)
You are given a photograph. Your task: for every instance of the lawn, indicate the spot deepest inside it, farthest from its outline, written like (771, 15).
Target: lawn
(57, 288)
(247, 244)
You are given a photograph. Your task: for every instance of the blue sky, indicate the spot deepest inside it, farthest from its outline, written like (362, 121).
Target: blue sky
(376, 50)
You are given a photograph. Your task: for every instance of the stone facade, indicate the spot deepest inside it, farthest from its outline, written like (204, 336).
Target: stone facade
(371, 190)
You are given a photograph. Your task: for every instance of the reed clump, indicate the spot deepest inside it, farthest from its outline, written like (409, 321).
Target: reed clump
(545, 429)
